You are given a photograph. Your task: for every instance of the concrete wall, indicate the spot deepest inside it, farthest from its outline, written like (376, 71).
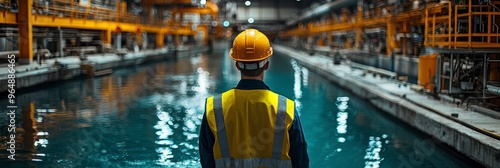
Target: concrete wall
(403, 66)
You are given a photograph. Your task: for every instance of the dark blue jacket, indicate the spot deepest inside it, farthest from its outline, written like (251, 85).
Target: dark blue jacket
(298, 145)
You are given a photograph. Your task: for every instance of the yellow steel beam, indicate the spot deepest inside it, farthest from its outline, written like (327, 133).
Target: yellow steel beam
(167, 1)
(106, 36)
(183, 31)
(7, 17)
(390, 39)
(50, 21)
(138, 38)
(25, 31)
(193, 10)
(75, 23)
(160, 38)
(213, 7)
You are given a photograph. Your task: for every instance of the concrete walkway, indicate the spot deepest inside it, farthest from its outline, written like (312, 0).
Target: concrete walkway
(35, 74)
(73, 62)
(474, 134)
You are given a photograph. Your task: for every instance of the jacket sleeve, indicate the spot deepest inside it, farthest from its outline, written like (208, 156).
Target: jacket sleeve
(206, 143)
(298, 145)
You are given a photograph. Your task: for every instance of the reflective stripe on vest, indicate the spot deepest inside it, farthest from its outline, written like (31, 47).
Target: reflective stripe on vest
(277, 148)
(279, 129)
(221, 127)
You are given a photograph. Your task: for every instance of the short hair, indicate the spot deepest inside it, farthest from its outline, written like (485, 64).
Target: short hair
(252, 73)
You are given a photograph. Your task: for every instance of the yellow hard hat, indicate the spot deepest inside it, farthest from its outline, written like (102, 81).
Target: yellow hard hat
(251, 45)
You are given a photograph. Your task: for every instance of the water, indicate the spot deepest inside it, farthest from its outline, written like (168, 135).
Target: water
(149, 116)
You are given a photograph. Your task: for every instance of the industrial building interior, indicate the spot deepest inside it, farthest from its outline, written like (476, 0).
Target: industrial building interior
(446, 50)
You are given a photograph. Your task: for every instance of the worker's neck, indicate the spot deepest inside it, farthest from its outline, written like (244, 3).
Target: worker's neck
(260, 77)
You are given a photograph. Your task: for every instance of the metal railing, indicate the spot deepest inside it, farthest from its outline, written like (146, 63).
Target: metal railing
(7, 4)
(72, 9)
(462, 26)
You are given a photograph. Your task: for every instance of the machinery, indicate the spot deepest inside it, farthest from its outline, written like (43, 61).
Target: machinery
(455, 43)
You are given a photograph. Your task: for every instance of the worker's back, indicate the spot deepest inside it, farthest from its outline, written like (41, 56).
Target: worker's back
(256, 124)
(251, 126)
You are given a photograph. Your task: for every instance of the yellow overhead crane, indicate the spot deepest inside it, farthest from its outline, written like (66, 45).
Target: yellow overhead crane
(209, 8)
(442, 29)
(69, 14)
(465, 33)
(433, 16)
(376, 18)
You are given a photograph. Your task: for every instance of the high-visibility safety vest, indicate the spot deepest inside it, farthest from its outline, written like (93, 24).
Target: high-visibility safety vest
(250, 128)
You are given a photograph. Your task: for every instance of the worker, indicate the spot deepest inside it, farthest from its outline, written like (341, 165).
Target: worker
(249, 125)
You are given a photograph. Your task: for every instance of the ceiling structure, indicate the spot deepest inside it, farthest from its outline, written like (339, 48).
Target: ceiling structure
(285, 9)
(286, 13)
(291, 12)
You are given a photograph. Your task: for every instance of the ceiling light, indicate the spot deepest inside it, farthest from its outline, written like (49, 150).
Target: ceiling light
(225, 23)
(247, 3)
(250, 20)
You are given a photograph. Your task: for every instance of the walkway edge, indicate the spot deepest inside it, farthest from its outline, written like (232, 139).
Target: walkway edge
(479, 147)
(51, 74)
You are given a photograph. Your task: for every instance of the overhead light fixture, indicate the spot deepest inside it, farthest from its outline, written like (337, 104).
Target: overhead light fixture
(298, 0)
(250, 20)
(203, 2)
(225, 23)
(248, 3)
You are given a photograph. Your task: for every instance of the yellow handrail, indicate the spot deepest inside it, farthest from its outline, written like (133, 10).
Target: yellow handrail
(67, 8)
(456, 39)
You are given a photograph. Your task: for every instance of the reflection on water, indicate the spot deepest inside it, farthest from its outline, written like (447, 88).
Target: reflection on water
(109, 121)
(149, 116)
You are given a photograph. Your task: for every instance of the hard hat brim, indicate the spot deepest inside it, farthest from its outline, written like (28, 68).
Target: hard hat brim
(270, 52)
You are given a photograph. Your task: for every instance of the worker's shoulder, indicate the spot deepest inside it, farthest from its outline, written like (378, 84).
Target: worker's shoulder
(280, 95)
(218, 95)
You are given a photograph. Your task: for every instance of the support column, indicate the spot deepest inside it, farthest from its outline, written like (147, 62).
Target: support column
(3, 44)
(177, 40)
(118, 42)
(25, 40)
(404, 30)
(106, 37)
(160, 40)
(390, 43)
(144, 40)
(138, 39)
(60, 43)
(359, 38)
(359, 29)
(485, 73)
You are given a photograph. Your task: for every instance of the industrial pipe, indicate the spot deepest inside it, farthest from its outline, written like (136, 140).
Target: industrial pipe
(493, 90)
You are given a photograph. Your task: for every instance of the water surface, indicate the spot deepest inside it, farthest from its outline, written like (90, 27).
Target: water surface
(149, 116)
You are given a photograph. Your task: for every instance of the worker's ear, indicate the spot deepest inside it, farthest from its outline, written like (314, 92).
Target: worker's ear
(266, 66)
(236, 64)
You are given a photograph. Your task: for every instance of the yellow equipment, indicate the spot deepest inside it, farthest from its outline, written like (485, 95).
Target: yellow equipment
(251, 45)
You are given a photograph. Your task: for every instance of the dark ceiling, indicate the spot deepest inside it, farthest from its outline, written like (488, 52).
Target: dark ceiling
(302, 4)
